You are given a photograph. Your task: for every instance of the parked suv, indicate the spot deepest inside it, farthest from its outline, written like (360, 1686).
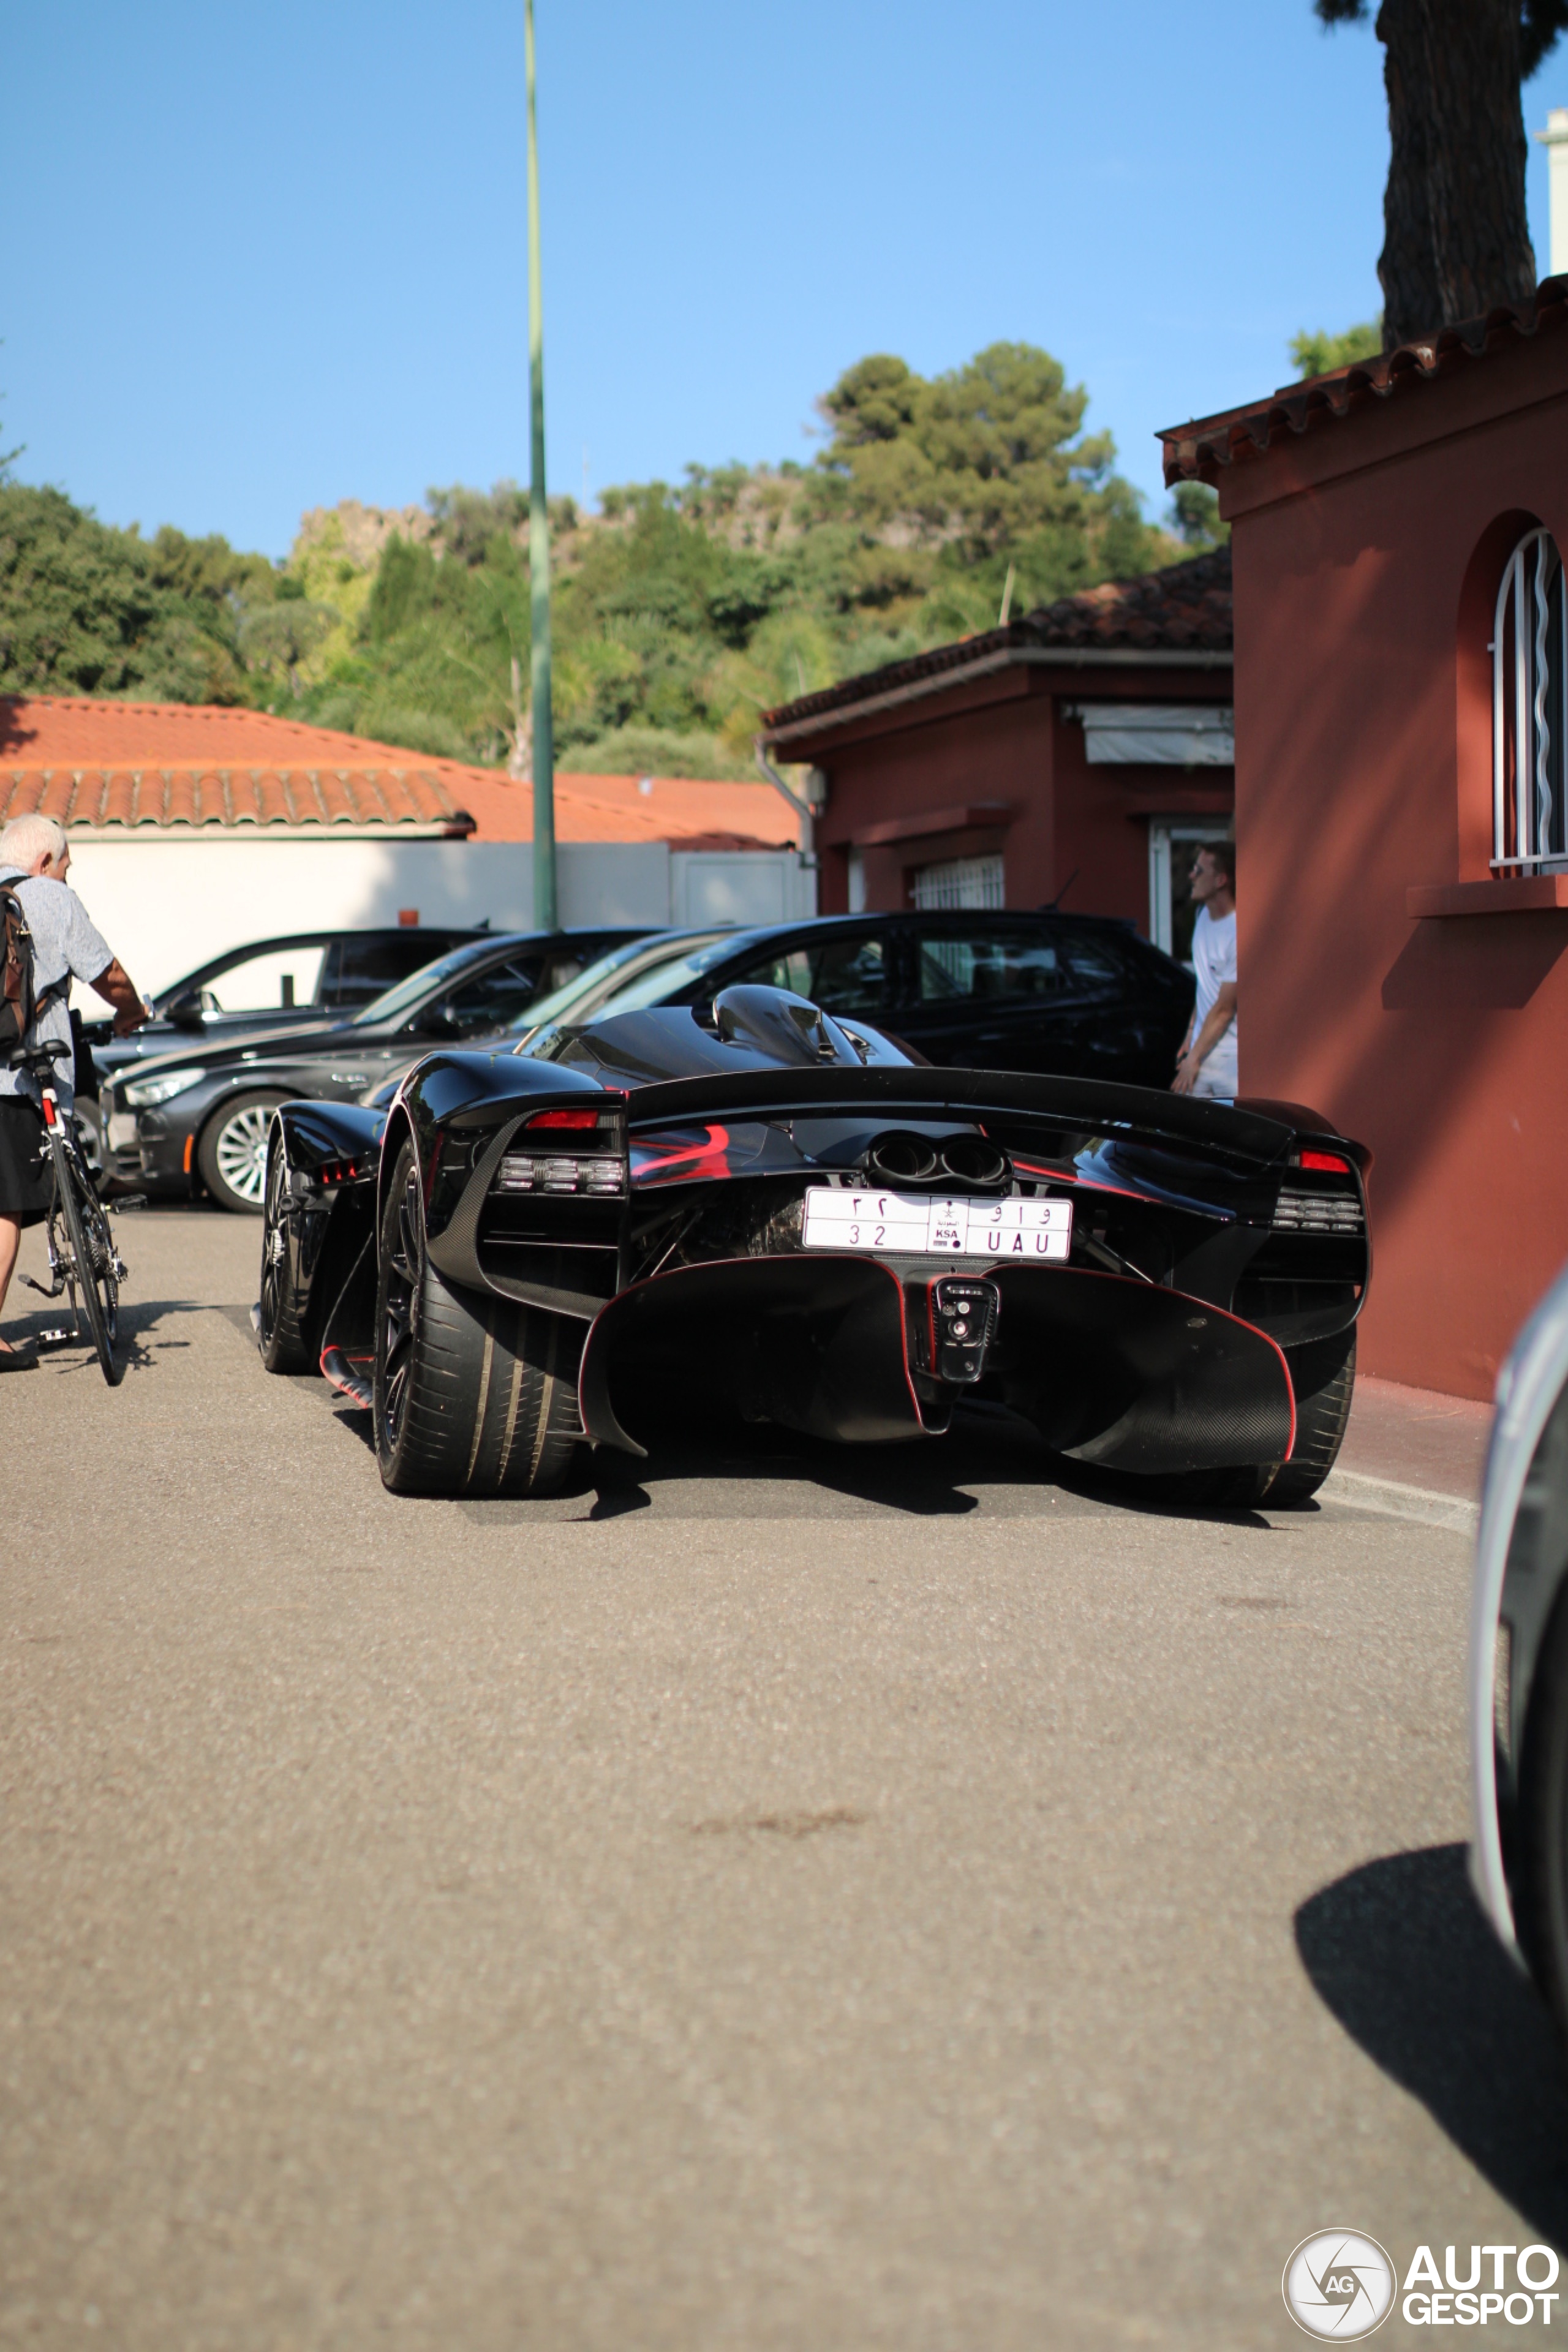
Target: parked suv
(1077, 995)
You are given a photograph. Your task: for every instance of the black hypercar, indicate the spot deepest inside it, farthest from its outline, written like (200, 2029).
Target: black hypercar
(196, 1115)
(752, 1206)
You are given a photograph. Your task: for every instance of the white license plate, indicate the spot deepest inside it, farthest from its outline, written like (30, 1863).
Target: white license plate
(916, 1224)
(123, 1130)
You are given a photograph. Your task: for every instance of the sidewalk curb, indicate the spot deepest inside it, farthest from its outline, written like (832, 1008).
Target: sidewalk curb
(1361, 1491)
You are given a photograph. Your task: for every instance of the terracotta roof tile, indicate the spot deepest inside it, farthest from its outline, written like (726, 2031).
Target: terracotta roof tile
(1201, 449)
(91, 763)
(1186, 607)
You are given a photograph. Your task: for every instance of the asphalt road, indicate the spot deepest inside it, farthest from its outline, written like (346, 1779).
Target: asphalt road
(788, 1899)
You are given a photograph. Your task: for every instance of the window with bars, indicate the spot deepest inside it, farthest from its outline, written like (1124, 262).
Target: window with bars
(1530, 706)
(960, 882)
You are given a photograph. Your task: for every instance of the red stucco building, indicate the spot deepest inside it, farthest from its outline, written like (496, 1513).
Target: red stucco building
(1080, 749)
(1402, 804)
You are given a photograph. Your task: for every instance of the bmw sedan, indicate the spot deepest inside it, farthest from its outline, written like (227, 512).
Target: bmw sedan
(197, 1117)
(285, 982)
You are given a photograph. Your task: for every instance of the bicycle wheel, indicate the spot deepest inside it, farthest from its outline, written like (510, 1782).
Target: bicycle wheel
(92, 1254)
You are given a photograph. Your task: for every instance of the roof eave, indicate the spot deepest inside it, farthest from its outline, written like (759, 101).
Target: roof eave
(781, 728)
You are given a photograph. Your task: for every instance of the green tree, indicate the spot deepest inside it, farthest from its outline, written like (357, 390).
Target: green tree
(1457, 241)
(1194, 516)
(1316, 354)
(86, 609)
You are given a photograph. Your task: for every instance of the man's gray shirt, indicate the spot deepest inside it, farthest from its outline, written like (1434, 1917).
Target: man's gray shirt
(65, 946)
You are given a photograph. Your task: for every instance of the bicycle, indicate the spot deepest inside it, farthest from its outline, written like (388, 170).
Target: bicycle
(83, 1253)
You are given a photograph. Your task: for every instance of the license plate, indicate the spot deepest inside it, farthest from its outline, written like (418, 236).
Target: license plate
(917, 1225)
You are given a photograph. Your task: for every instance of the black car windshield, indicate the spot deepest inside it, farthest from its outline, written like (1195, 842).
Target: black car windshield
(589, 991)
(407, 994)
(666, 980)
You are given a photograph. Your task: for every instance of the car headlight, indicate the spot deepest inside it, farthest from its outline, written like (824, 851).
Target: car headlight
(140, 1094)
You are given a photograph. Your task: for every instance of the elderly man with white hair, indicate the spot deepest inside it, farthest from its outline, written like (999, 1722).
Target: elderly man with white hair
(34, 859)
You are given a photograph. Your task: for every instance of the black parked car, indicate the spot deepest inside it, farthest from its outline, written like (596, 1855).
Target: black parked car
(201, 1112)
(1071, 995)
(282, 982)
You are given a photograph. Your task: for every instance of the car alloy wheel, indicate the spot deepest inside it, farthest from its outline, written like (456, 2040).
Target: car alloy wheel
(232, 1152)
(241, 1152)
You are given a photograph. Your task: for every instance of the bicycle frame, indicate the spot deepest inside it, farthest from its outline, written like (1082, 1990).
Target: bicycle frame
(84, 1260)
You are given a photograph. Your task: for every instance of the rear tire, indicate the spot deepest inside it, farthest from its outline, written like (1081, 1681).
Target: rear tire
(474, 1395)
(1323, 1376)
(283, 1343)
(232, 1152)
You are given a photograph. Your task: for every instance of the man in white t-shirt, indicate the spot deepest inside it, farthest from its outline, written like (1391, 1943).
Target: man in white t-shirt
(1207, 1062)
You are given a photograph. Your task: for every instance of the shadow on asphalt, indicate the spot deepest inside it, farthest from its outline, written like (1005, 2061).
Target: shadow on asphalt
(988, 1453)
(1400, 1953)
(138, 1318)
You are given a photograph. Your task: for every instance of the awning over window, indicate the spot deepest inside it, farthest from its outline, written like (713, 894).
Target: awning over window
(1158, 734)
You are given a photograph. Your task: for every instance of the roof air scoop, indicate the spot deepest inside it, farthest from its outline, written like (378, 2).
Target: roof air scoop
(788, 1028)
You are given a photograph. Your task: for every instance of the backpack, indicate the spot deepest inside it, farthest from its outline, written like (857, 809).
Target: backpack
(18, 1000)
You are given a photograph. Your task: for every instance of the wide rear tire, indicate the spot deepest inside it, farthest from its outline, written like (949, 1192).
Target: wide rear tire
(474, 1395)
(1323, 1376)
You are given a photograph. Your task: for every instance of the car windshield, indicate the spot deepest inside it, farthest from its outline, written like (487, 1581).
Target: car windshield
(577, 999)
(666, 980)
(407, 994)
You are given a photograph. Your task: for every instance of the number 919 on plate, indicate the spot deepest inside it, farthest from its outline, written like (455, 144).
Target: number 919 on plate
(918, 1225)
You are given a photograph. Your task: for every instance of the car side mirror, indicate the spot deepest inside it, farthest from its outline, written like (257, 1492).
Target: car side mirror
(185, 1011)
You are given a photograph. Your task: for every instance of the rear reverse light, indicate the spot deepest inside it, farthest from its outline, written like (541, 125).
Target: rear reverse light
(602, 1178)
(586, 1117)
(1329, 1163)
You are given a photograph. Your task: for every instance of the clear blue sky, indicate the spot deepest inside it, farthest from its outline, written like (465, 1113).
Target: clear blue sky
(264, 259)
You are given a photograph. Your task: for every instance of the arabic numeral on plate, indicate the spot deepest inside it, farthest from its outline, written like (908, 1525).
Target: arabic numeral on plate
(881, 1237)
(853, 1234)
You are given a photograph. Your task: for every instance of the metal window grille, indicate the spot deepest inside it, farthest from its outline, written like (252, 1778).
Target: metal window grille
(965, 882)
(1530, 738)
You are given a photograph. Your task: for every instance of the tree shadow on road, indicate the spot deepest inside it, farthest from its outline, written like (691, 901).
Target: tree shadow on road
(1400, 1953)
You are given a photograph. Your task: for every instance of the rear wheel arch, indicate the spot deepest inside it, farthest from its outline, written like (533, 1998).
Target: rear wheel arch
(399, 1130)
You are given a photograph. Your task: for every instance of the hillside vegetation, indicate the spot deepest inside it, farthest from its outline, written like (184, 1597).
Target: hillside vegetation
(681, 613)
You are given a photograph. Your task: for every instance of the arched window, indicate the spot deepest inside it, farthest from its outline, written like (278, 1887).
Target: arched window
(1529, 712)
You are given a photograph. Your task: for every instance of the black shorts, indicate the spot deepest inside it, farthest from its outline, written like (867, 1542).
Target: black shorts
(26, 1180)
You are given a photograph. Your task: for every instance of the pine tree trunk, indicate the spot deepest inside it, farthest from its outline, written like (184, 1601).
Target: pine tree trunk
(1456, 239)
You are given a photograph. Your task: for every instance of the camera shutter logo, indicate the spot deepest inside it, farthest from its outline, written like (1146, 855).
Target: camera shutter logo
(1339, 2283)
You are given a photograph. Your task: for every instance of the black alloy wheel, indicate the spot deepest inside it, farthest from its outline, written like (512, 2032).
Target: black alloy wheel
(279, 1334)
(397, 1307)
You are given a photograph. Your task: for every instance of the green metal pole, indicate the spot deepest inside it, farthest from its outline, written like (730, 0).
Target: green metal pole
(546, 915)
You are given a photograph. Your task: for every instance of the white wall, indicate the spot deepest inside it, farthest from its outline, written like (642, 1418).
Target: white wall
(166, 903)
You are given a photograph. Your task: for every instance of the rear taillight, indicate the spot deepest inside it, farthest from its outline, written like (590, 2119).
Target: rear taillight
(1329, 1163)
(588, 1115)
